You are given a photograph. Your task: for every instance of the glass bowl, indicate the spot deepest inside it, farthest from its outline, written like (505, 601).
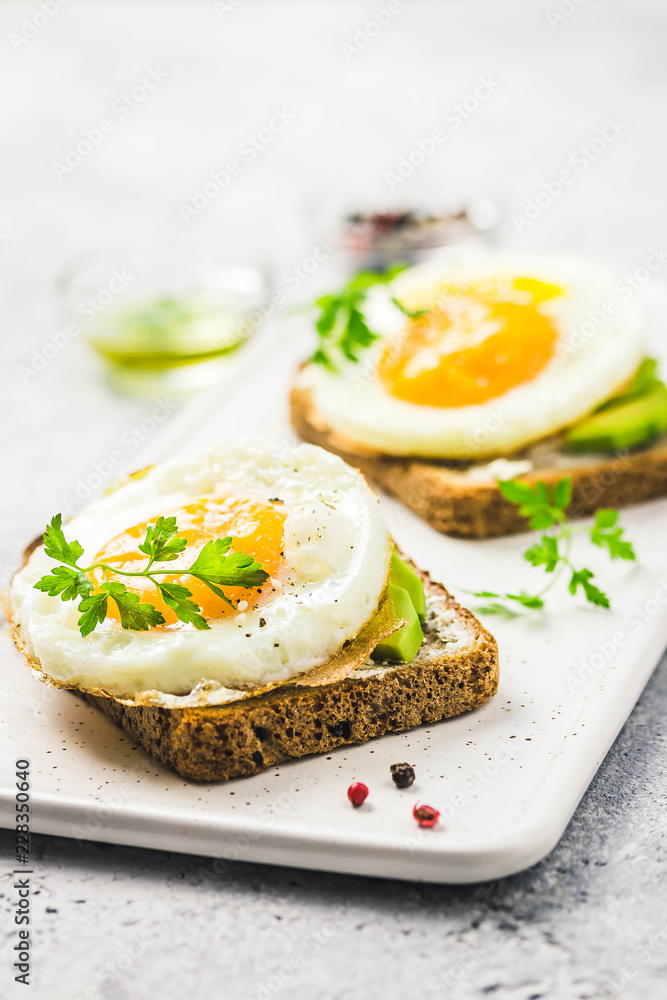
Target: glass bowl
(163, 326)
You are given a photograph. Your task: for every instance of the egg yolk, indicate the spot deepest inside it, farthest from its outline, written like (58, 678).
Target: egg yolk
(255, 526)
(475, 343)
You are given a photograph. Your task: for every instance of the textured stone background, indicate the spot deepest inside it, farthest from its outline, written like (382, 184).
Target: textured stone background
(588, 922)
(120, 924)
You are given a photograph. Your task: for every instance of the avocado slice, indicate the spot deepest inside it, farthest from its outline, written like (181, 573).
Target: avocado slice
(404, 576)
(645, 379)
(403, 644)
(627, 425)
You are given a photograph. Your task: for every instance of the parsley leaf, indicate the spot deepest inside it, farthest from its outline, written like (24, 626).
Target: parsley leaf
(357, 335)
(321, 358)
(581, 578)
(605, 534)
(212, 556)
(93, 611)
(546, 554)
(517, 492)
(67, 582)
(134, 614)
(546, 511)
(533, 601)
(161, 543)
(328, 306)
(215, 564)
(341, 323)
(496, 608)
(363, 280)
(562, 493)
(410, 313)
(543, 511)
(177, 597)
(56, 545)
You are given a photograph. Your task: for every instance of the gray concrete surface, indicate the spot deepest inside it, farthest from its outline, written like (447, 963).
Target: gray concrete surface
(115, 923)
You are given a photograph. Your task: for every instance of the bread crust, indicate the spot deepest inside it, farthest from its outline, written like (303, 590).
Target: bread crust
(216, 743)
(454, 505)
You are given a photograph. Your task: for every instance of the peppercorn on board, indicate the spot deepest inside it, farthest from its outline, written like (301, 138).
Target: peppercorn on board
(506, 778)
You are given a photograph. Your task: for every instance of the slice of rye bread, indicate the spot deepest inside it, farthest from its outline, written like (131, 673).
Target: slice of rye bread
(455, 670)
(455, 504)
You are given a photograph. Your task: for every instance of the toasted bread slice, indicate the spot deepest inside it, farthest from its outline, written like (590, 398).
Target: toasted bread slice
(455, 670)
(457, 503)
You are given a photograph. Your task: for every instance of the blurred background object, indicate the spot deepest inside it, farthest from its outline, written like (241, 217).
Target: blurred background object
(376, 238)
(219, 132)
(160, 325)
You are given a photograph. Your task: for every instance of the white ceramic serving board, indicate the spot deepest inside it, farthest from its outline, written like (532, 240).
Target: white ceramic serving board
(506, 778)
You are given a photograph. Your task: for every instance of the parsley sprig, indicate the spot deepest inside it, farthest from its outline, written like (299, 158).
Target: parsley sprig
(341, 323)
(546, 512)
(215, 565)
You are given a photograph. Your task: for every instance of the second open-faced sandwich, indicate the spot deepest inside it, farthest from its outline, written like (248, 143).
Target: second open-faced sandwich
(445, 379)
(244, 606)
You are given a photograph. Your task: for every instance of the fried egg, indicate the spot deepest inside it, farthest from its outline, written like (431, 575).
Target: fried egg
(494, 354)
(307, 517)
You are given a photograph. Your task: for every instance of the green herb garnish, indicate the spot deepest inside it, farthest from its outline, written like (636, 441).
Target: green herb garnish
(341, 324)
(215, 566)
(546, 511)
(410, 313)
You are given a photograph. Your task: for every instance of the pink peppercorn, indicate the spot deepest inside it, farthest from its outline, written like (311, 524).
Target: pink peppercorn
(357, 794)
(426, 815)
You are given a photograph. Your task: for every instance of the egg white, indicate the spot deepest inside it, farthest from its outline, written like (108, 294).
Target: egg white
(597, 352)
(337, 553)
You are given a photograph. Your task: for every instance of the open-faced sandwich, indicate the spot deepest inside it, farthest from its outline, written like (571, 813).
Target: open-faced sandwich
(442, 380)
(244, 606)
